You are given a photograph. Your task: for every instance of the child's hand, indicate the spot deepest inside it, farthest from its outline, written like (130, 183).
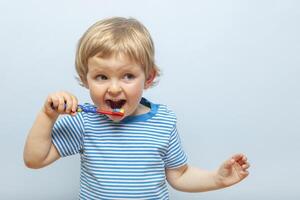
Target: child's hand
(60, 103)
(233, 171)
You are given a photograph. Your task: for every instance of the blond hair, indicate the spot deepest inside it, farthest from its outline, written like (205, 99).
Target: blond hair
(116, 36)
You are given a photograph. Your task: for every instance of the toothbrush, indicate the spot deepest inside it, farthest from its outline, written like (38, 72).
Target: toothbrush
(92, 109)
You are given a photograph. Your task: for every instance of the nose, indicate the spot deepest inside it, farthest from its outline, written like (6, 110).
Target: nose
(114, 88)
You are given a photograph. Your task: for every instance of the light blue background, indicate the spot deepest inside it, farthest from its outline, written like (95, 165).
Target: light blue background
(230, 72)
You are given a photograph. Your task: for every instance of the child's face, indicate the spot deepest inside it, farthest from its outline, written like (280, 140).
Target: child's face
(116, 82)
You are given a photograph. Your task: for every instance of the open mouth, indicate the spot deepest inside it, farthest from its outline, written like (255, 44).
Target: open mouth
(115, 104)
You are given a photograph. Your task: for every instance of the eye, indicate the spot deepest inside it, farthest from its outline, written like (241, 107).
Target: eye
(101, 77)
(129, 76)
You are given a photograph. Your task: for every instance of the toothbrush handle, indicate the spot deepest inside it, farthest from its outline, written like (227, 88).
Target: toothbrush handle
(92, 109)
(82, 108)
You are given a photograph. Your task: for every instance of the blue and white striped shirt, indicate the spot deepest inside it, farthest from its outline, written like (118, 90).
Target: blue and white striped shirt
(124, 160)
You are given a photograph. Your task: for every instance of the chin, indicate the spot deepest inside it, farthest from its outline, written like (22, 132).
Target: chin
(116, 118)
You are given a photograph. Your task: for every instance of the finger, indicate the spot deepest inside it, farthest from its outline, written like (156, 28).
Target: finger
(49, 103)
(244, 174)
(237, 157)
(228, 164)
(68, 103)
(53, 102)
(243, 160)
(245, 166)
(240, 158)
(61, 104)
(75, 104)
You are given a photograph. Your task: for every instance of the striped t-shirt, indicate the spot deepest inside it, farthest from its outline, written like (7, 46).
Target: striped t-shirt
(122, 160)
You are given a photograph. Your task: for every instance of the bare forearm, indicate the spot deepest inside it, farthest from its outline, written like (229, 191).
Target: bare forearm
(191, 179)
(196, 180)
(38, 143)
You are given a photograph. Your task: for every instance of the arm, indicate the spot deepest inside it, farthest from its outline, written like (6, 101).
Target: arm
(191, 179)
(39, 150)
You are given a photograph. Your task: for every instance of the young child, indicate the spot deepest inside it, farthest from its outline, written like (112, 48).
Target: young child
(122, 157)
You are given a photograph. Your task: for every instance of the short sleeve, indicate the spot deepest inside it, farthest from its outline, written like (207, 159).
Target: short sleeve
(67, 134)
(175, 156)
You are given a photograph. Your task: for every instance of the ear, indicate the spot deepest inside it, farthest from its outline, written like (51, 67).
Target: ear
(150, 79)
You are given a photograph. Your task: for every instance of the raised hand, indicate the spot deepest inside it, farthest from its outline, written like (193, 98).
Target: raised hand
(233, 170)
(60, 103)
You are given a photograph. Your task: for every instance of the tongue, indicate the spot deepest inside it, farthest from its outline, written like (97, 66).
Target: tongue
(116, 104)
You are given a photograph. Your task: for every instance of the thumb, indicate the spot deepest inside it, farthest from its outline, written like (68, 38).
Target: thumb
(226, 168)
(228, 164)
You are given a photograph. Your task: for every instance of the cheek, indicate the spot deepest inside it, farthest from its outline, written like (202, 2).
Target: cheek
(135, 89)
(96, 93)
(95, 97)
(135, 95)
